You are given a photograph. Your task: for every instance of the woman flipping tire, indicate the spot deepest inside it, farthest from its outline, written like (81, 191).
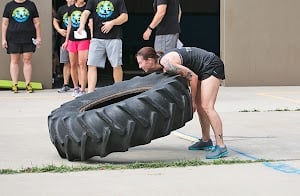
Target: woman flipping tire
(117, 117)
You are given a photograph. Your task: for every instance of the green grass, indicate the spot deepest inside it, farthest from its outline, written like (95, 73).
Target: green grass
(138, 165)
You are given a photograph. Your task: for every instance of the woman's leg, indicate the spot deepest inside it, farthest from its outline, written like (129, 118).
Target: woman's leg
(74, 64)
(27, 67)
(82, 60)
(204, 122)
(14, 67)
(209, 90)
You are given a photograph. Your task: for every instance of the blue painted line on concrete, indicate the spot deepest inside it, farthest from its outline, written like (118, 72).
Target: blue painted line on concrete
(244, 154)
(282, 167)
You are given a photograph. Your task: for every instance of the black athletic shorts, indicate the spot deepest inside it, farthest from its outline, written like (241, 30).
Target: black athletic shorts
(215, 68)
(16, 48)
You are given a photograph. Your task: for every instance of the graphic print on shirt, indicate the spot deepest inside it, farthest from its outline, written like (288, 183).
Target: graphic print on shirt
(65, 20)
(75, 18)
(20, 14)
(105, 9)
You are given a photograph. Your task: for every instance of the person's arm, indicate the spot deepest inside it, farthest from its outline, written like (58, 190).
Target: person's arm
(65, 44)
(36, 22)
(108, 25)
(179, 14)
(91, 26)
(83, 20)
(5, 22)
(159, 15)
(56, 26)
(175, 68)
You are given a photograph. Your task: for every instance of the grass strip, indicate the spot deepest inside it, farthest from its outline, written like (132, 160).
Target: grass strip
(137, 165)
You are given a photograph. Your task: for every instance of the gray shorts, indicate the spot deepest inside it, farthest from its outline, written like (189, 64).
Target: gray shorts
(64, 56)
(102, 48)
(165, 42)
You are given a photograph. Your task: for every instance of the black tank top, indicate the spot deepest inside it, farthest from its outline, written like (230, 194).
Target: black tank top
(196, 59)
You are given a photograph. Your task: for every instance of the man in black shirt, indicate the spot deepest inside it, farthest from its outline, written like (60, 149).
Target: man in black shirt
(166, 23)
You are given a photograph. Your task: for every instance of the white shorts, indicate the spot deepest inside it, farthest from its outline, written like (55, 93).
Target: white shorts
(102, 48)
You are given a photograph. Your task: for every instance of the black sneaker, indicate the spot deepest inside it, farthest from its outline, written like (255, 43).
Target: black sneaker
(201, 145)
(64, 89)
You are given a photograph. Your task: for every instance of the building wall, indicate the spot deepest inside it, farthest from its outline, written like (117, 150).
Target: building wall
(42, 58)
(260, 42)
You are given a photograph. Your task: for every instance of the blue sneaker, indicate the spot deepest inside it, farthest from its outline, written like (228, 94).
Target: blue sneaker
(201, 145)
(217, 152)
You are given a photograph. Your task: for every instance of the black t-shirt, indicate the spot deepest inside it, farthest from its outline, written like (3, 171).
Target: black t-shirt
(21, 27)
(169, 24)
(75, 13)
(62, 17)
(106, 10)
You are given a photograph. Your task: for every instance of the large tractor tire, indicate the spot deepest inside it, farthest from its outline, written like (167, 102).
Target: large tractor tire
(117, 117)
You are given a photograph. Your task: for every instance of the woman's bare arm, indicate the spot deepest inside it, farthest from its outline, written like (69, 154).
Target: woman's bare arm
(172, 67)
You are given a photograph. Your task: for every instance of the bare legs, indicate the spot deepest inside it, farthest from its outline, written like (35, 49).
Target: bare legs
(118, 73)
(79, 59)
(27, 67)
(82, 60)
(74, 68)
(66, 73)
(206, 97)
(92, 76)
(14, 67)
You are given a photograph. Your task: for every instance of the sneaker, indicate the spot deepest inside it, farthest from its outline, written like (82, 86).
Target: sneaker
(217, 152)
(75, 91)
(29, 88)
(14, 88)
(80, 93)
(201, 145)
(64, 89)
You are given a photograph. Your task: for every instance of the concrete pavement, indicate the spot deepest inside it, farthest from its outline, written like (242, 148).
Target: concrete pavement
(268, 133)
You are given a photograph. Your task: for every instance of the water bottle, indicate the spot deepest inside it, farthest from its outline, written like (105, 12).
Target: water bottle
(34, 41)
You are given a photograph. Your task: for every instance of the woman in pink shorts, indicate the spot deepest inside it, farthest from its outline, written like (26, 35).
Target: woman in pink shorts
(78, 47)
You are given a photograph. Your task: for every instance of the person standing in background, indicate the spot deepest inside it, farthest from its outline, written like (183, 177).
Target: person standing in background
(78, 47)
(60, 24)
(108, 17)
(166, 23)
(21, 34)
